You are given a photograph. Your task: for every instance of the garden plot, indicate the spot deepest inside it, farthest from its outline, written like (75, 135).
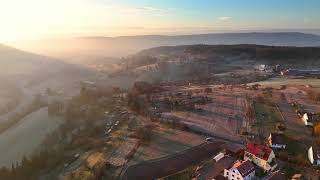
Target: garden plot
(224, 117)
(299, 95)
(119, 156)
(165, 142)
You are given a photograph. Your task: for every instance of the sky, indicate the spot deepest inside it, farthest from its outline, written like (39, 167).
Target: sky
(31, 19)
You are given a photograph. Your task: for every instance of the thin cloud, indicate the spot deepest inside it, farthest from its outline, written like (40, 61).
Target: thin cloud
(140, 10)
(149, 8)
(224, 18)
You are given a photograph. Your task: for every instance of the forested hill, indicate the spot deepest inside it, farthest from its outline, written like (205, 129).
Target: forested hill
(254, 52)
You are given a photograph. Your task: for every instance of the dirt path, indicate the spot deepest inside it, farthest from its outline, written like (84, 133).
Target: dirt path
(295, 127)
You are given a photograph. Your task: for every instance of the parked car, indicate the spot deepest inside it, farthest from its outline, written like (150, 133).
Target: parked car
(210, 139)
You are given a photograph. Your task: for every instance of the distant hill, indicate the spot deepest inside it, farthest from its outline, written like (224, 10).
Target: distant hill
(257, 53)
(126, 45)
(29, 69)
(17, 62)
(174, 63)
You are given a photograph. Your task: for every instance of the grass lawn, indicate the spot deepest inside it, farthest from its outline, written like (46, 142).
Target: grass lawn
(267, 118)
(165, 142)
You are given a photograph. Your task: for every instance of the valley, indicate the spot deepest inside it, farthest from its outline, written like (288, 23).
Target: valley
(100, 119)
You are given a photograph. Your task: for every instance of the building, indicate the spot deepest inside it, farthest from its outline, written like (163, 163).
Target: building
(314, 155)
(218, 157)
(277, 141)
(265, 68)
(277, 68)
(307, 119)
(261, 156)
(240, 171)
(301, 72)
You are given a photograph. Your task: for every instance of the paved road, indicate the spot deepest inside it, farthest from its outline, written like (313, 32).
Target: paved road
(169, 165)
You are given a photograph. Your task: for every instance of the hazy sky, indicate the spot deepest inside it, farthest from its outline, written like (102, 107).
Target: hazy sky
(22, 19)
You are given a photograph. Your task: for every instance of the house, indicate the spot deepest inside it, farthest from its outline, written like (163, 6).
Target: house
(314, 155)
(277, 141)
(307, 119)
(240, 171)
(261, 156)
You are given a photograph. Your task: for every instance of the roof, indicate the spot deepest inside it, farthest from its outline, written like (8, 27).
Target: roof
(214, 169)
(244, 168)
(316, 153)
(277, 138)
(259, 151)
(310, 115)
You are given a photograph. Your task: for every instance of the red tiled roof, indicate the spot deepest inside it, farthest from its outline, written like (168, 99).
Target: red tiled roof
(259, 151)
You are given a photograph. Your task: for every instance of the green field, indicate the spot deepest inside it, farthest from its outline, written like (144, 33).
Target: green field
(267, 118)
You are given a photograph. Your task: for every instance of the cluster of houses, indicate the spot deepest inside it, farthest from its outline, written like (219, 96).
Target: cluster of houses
(276, 68)
(252, 161)
(301, 72)
(309, 119)
(268, 68)
(256, 158)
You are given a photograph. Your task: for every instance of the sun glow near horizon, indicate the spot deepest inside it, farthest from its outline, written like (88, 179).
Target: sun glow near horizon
(60, 18)
(32, 19)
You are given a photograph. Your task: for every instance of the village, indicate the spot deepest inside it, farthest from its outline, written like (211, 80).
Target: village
(266, 132)
(160, 90)
(201, 130)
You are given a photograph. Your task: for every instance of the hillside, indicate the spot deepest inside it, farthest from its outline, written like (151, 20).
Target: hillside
(14, 62)
(126, 45)
(258, 53)
(24, 76)
(176, 63)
